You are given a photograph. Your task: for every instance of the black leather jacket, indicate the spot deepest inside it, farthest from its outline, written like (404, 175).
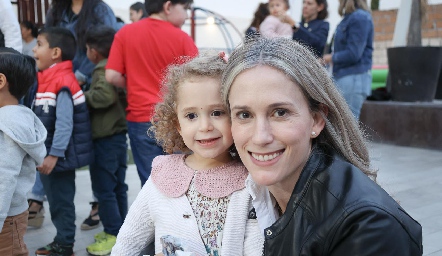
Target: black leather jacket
(335, 209)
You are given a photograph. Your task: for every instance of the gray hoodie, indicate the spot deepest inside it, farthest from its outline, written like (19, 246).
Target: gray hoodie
(22, 137)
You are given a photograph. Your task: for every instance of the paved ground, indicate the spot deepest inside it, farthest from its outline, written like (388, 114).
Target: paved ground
(412, 176)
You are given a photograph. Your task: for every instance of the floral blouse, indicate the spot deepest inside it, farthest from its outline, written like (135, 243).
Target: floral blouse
(210, 214)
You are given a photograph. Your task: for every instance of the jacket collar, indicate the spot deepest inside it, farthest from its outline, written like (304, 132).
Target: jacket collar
(312, 167)
(57, 70)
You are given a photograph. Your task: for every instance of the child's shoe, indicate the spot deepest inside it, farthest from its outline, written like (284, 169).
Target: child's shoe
(55, 249)
(103, 246)
(99, 236)
(36, 217)
(93, 221)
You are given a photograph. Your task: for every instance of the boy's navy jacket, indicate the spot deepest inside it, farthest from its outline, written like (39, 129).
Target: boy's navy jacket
(51, 83)
(353, 44)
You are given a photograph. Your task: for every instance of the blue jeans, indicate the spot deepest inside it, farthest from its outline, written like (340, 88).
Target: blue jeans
(60, 191)
(108, 173)
(355, 89)
(144, 148)
(38, 192)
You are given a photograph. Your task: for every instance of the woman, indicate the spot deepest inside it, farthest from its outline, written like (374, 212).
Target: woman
(313, 29)
(78, 16)
(137, 11)
(298, 139)
(352, 53)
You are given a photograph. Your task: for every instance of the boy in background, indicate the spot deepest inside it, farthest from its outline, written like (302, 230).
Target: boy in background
(108, 118)
(22, 137)
(141, 52)
(61, 106)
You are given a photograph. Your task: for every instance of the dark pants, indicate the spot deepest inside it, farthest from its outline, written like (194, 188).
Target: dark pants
(107, 176)
(60, 191)
(144, 148)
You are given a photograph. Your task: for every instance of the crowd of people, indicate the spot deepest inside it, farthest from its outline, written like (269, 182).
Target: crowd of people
(256, 153)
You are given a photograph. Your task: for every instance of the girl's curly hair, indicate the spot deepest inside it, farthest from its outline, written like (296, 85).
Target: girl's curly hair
(165, 118)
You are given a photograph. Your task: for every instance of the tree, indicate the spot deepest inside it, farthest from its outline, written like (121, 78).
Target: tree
(374, 5)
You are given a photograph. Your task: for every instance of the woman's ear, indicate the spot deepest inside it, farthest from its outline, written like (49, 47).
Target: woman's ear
(320, 7)
(319, 119)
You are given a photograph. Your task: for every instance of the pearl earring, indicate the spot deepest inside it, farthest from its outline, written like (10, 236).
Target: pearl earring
(314, 134)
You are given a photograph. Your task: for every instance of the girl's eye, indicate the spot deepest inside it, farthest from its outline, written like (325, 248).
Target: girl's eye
(243, 115)
(191, 116)
(280, 112)
(217, 113)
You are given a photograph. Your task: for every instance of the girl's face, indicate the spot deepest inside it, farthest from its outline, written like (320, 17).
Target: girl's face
(203, 119)
(277, 8)
(310, 9)
(272, 126)
(135, 16)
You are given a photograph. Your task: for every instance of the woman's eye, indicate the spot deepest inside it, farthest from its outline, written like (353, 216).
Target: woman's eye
(280, 112)
(191, 116)
(243, 115)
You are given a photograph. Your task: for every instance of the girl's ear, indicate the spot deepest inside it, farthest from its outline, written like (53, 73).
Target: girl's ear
(320, 7)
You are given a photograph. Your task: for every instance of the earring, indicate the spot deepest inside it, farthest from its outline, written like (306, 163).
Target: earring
(313, 134)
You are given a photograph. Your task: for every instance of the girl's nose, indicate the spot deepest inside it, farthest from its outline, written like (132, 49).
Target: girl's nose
(205, 124)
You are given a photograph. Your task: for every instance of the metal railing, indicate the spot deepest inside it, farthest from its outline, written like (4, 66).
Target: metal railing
(32, 10)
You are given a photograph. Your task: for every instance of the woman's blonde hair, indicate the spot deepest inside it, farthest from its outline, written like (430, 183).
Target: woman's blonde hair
(349, 6)
(165, 120)
(341, 130)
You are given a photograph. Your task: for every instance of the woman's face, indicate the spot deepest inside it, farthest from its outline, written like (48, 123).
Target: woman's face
(310, 9)
(135, 16)
(272, 126)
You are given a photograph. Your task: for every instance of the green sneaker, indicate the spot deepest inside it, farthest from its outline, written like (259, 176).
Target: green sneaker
(100, 236)
(103, 246)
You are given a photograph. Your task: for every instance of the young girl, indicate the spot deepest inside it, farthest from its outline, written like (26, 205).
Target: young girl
(278, 23)
(197, 198)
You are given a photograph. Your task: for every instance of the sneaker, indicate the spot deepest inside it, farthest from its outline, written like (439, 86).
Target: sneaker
(93, 221)
(102, 247)
(55, 249)
(35, 218)
(100, 236)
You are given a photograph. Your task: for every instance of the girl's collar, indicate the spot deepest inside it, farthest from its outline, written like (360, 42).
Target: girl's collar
(172, 177)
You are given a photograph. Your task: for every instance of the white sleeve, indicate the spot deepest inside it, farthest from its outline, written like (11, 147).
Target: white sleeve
(10, 167)
(138, 230)
(9, 26)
